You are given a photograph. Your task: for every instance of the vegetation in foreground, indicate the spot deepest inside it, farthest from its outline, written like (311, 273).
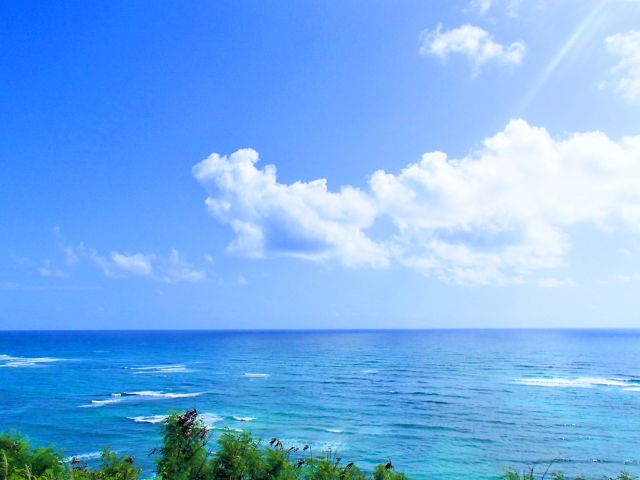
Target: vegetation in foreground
(186, 454)
(530, 475)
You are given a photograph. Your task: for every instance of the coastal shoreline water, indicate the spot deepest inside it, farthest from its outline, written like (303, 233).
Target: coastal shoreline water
(437, 402)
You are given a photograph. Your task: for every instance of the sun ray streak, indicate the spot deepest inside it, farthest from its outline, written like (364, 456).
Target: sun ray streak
(559, 57)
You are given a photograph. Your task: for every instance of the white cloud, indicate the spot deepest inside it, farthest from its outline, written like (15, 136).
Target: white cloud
(474, 42)
(512, 6)
(124, 264)
(302, 220)
(503, 209)
(173, 269)
(494, 216)
(70, 256)
(627, 46)
(481, 5)
(555, 283)
(628, 278)
(208, 259)
(48, 270)
(178, 269)
(242, 280)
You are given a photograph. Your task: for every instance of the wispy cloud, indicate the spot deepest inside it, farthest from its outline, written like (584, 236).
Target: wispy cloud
(512, 6)
(48, 270)
(555, 283)
(173, 269)
(178, 269)
(476, 44)
(494, 216)
(20, 286)
(626, 46)
(628, 278)
(119, 265)
(481, 5)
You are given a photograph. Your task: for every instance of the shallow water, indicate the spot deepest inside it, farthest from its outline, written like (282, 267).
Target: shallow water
(452, 404)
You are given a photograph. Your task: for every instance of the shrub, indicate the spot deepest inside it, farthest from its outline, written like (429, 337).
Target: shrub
(18, 461)
(185, 456)
(530, 475)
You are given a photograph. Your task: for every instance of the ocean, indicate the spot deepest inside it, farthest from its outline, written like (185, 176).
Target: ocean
(437, 403)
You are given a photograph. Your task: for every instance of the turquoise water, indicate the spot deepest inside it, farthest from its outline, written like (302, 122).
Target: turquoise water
(454, 404)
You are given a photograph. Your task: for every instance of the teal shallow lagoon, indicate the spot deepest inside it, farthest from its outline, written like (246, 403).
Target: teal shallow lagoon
(438, 403)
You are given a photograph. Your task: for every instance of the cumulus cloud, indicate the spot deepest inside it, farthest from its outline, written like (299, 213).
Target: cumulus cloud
(474, 42)
(495, 216)
(302, 220)
(627, 47)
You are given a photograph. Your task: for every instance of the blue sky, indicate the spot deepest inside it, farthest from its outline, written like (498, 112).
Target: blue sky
(443, 164)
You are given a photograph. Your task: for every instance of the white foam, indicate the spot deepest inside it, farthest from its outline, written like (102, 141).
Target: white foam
(244, 419)
(153, 394)
(256, 375)
(160, 369)
(101, 403)
(16, 362)
(156, 367)
(106, 402)
(582, 382)
(210, 418)
(149, 419)
(331, 430)
(83, 456)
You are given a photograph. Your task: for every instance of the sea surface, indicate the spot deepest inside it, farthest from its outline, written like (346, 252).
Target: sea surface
(438, 404)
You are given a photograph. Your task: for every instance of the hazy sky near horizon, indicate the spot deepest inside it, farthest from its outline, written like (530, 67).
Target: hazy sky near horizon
(358, 164)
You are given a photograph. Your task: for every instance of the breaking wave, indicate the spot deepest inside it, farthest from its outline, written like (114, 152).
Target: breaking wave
(582, 382)
(160, 369)
(101, 403)
(8, 361)
(153, 394)
(244, 419)
(153, 419)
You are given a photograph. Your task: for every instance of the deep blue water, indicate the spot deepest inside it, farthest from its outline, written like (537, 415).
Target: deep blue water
(454, 404)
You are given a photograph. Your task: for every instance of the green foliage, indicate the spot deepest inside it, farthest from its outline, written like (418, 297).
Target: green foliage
(185, 456)
(18, 461)
(530, 475)
(239, 457)
(112, 467)
(383, 473)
